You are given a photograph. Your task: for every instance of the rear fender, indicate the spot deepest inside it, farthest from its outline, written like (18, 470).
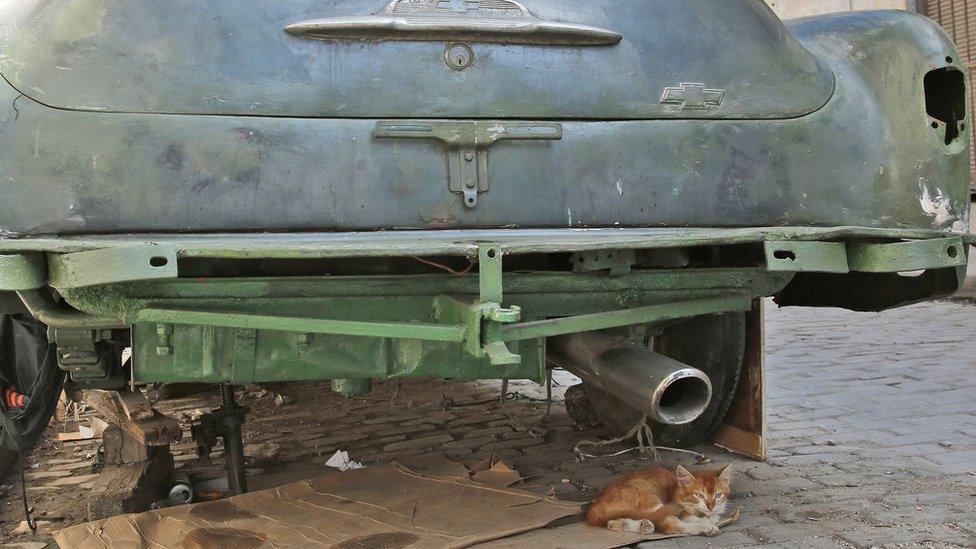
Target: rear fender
(907, 69)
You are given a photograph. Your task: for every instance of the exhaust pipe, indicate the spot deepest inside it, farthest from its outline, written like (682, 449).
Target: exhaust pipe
(664, 389)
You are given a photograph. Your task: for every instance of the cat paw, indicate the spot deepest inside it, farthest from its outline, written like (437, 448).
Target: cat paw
(708, 530)
(632, 526)
(700, 527)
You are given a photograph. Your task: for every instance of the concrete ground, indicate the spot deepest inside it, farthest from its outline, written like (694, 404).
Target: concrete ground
(872, 437)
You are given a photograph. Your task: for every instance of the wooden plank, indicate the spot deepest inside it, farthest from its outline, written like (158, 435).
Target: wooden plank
(135, 405)
(131, 488)
(155, 430)
(160, 430)
(106, 403)
(741, 442)
(743, 430)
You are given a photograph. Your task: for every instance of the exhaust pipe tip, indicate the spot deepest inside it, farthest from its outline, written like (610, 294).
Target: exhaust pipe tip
(681, 397)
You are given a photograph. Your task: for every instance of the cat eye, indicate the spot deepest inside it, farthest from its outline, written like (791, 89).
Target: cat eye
(699, 495)
(719, 495)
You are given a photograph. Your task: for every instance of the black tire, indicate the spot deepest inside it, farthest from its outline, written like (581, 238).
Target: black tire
(29, 363)
(715, 344)
(8, 457)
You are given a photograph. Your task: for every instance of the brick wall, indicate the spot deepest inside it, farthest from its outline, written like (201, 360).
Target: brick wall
(958, 18)
(801, 8)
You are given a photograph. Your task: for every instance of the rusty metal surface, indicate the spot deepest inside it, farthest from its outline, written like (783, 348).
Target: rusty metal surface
(222, 57)
(866, 158)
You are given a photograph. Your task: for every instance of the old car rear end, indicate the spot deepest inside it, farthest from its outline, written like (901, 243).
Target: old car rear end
(466, 189)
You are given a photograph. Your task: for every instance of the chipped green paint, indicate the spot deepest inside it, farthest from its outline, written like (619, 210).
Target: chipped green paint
(817, 257)
(352, 387)
(906, 256)
(108, 265)
(22, 272)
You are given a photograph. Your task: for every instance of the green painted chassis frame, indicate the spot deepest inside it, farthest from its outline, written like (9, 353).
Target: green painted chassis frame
(490, 324)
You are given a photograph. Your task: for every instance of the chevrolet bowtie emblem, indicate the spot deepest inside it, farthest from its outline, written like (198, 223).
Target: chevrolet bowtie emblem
(692, 96)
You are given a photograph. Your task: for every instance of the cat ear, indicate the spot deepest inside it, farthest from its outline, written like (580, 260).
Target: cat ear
(684, 476)
(725, 475)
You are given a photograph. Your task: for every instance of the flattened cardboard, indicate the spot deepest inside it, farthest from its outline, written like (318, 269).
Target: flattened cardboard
(574, 536)
(379, 506)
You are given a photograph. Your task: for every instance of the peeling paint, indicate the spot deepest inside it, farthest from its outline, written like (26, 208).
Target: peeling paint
(935, 203)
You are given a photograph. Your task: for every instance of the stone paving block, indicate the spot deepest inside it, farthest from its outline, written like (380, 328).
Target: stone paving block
(476, 419)
(870, 536)
(785, 534)
(373, 442)
(468, 444)
(812, 542)
(955, 462)
(514, 444)
(388, 430)
(419, 443)
(490, 432)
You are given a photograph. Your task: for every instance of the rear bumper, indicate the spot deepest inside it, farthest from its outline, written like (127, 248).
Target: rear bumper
(452, 242)
(833, 256)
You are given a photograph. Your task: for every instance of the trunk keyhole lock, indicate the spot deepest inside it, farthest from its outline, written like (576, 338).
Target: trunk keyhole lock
(459, 56)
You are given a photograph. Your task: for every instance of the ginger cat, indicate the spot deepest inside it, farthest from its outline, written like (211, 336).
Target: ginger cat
(658, 500)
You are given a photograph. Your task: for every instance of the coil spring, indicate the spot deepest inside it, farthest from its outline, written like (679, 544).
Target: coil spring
(13, 399)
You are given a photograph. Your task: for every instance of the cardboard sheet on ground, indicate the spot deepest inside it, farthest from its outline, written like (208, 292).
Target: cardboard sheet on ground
(385, 506)
(429, 503)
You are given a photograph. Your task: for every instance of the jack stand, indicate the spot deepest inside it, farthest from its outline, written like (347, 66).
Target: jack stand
(225, 422)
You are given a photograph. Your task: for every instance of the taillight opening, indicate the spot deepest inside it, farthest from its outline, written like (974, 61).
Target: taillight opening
(945, 101)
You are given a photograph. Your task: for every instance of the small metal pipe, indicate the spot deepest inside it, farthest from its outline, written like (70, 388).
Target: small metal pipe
(232, 417)
(250, 321)
(664, 389)
(42, 306)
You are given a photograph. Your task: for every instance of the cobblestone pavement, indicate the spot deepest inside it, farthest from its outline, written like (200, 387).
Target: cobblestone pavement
(872, 436)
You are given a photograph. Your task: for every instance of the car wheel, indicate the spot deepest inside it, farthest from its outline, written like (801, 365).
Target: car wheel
(715, 344)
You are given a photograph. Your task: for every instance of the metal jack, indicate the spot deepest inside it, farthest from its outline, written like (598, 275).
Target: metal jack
(225, 422)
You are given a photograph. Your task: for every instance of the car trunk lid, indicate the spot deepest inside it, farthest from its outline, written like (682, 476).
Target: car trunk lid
(468, 59)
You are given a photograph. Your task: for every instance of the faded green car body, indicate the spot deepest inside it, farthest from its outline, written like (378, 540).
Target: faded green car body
(261, 204)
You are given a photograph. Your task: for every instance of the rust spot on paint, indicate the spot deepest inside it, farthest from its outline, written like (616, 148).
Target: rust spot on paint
(202, 184)
(737, 179)
(172, 156)
(252, 135)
